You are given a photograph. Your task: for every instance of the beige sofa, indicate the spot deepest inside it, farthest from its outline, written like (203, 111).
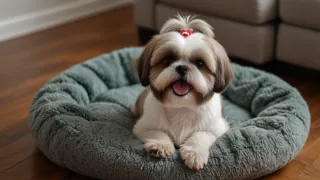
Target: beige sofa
(257, 31)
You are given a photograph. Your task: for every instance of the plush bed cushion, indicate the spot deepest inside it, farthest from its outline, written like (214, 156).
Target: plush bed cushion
(81, 121)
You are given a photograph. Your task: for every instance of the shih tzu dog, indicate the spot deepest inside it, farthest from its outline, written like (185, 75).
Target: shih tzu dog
(183, 69)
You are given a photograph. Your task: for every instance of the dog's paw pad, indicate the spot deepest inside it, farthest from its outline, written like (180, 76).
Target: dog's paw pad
(159, 150)
(193, 158)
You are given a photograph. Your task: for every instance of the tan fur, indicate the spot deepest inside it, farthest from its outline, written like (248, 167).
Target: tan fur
(224, 74)
(137, 108)
(142, 64)
(205, 54)
(163, 51)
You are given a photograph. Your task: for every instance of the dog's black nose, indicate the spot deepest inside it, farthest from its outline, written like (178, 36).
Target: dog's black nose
(182, 70)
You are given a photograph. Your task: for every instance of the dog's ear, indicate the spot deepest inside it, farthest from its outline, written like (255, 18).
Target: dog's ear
(224, 74)
(142, 63)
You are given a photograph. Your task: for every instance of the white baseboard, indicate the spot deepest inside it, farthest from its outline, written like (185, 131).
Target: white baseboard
(29, 23)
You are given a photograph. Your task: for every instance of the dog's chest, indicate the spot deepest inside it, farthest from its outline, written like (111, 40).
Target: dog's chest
(182, 123)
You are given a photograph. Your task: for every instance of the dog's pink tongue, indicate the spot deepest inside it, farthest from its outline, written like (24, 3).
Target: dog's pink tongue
(181, 87)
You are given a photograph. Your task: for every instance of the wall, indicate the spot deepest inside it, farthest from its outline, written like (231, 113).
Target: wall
(21, 17)
(13, 8)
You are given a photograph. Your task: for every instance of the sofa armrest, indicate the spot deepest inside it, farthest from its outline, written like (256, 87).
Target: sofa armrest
(144, 13)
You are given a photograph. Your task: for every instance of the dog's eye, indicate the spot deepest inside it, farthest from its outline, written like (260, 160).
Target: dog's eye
(167, 61)
(199, 63)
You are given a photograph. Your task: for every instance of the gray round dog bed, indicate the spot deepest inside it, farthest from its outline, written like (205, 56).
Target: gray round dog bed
(81, 120)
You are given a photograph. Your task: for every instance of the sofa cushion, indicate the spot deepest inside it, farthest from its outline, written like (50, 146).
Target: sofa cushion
(144, 13)
(299, 46)
(304, 13)
(249, 11)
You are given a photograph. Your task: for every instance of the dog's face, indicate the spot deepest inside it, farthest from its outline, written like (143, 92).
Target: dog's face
(184, 71)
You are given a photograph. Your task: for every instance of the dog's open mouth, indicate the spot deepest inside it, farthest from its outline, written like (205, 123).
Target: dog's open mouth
(181, 87)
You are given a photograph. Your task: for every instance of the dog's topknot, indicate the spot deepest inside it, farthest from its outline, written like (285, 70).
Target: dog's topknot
(187, 22)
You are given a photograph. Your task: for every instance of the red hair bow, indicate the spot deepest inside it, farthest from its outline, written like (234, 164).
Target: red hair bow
(186, 32)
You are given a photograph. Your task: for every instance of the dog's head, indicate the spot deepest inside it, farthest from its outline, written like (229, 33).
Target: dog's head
(184, 65)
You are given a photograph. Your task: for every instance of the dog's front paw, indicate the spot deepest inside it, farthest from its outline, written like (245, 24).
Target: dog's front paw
(160, 150)
(194, 158)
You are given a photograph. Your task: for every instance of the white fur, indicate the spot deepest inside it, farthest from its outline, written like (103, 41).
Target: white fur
(193, 129)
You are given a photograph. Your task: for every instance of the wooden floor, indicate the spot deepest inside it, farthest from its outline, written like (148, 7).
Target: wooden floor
(28, 62)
